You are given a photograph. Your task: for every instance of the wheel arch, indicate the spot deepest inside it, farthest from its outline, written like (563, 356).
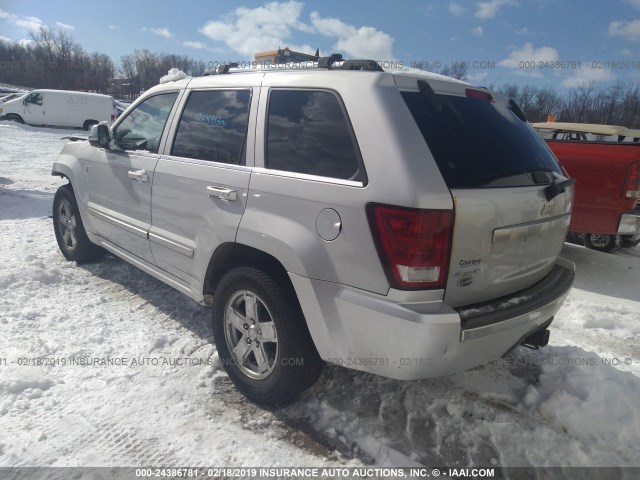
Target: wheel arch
(11, 116)
(230, 255)
(62, 170)
(67, 173)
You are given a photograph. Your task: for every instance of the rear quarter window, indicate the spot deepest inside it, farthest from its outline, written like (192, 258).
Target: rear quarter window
(309, 132)
(480, 143)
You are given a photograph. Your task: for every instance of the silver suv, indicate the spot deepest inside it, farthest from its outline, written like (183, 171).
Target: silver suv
(400, 223)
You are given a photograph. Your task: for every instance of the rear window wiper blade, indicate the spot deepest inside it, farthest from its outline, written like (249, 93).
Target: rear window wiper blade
(555, 189)
(535, 175)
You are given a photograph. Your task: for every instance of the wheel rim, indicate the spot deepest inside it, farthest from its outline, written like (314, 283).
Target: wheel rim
(251, 334)
(600, 240)
(67, 222)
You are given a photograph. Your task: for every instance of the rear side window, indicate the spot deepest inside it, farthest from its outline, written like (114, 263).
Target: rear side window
(308, 132)
(480, 143)
(143, 126)
(214, 126)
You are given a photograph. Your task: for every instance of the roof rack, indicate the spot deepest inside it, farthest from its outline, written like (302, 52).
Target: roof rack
(333, 62)
(367, 65)
(220, 69)
(326, 62)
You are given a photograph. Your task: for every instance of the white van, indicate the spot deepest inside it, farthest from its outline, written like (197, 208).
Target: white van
(60, 108)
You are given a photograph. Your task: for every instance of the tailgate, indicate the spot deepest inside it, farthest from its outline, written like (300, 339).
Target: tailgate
(504, 240)
(511, 199)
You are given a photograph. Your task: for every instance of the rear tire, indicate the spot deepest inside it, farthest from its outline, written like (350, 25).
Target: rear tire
(262, 337)
(629, 242)
(69, 229)
(89, 123)
(602, 242)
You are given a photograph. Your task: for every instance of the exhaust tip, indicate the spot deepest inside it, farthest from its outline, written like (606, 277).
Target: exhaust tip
(537, 340)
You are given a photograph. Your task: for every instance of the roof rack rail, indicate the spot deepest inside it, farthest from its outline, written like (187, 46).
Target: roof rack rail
(368, 65)
(220, 69)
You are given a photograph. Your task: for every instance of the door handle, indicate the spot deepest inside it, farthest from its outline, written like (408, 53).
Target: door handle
(139, 175)
(222, 193)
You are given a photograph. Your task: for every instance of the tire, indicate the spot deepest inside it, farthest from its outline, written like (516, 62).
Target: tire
(89, 123)
(69, 229)
(278, 359)
(14, 118)
(602, 242)
(629, 242)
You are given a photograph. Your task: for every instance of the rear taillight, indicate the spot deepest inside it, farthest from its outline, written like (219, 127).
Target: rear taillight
(113, 117)
(414, 245)
(632, 182)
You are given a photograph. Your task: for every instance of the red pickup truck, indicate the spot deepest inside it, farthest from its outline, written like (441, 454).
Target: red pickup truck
(605, 161)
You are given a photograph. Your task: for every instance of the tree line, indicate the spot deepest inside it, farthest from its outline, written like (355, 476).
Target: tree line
(52, 59)
(618, 104)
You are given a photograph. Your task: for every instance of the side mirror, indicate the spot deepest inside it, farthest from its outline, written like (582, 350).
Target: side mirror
(99, 136)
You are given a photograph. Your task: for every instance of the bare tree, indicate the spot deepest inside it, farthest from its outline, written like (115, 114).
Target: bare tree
(547, 102)
(455, 70)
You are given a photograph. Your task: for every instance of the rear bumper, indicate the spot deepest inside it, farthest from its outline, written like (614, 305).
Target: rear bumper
(410, 340)
(629, 224)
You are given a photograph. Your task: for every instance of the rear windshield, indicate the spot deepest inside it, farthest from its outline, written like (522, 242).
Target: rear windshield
(480, 143)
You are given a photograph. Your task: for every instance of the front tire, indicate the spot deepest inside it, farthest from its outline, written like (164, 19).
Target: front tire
(14, 118)
(602, 242)
(69, 229)
(262, 337)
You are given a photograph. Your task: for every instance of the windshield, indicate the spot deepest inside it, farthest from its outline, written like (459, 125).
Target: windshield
(481, 143)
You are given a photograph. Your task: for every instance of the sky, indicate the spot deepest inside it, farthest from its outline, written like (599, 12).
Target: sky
(561, 43)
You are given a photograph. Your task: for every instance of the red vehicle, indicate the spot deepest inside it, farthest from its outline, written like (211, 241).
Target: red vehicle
(605, 161)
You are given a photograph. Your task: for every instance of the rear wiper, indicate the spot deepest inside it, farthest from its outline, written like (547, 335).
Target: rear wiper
(537, 176)
(555, 189)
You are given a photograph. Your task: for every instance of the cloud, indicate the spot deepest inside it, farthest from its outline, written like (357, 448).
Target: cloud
(586, 76)
(196, 45)
(28, 23)
(114, 27)
(629, 30)
(250, 30)
(634, 3)
(163, 32)
(527, 53)
(363, 42)
(65, 26)
(25, 42)
(457, 9)
(4, 39)
(477, 32)
(490, 9)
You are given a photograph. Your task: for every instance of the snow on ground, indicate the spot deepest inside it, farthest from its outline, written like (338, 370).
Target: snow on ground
(574, 403)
